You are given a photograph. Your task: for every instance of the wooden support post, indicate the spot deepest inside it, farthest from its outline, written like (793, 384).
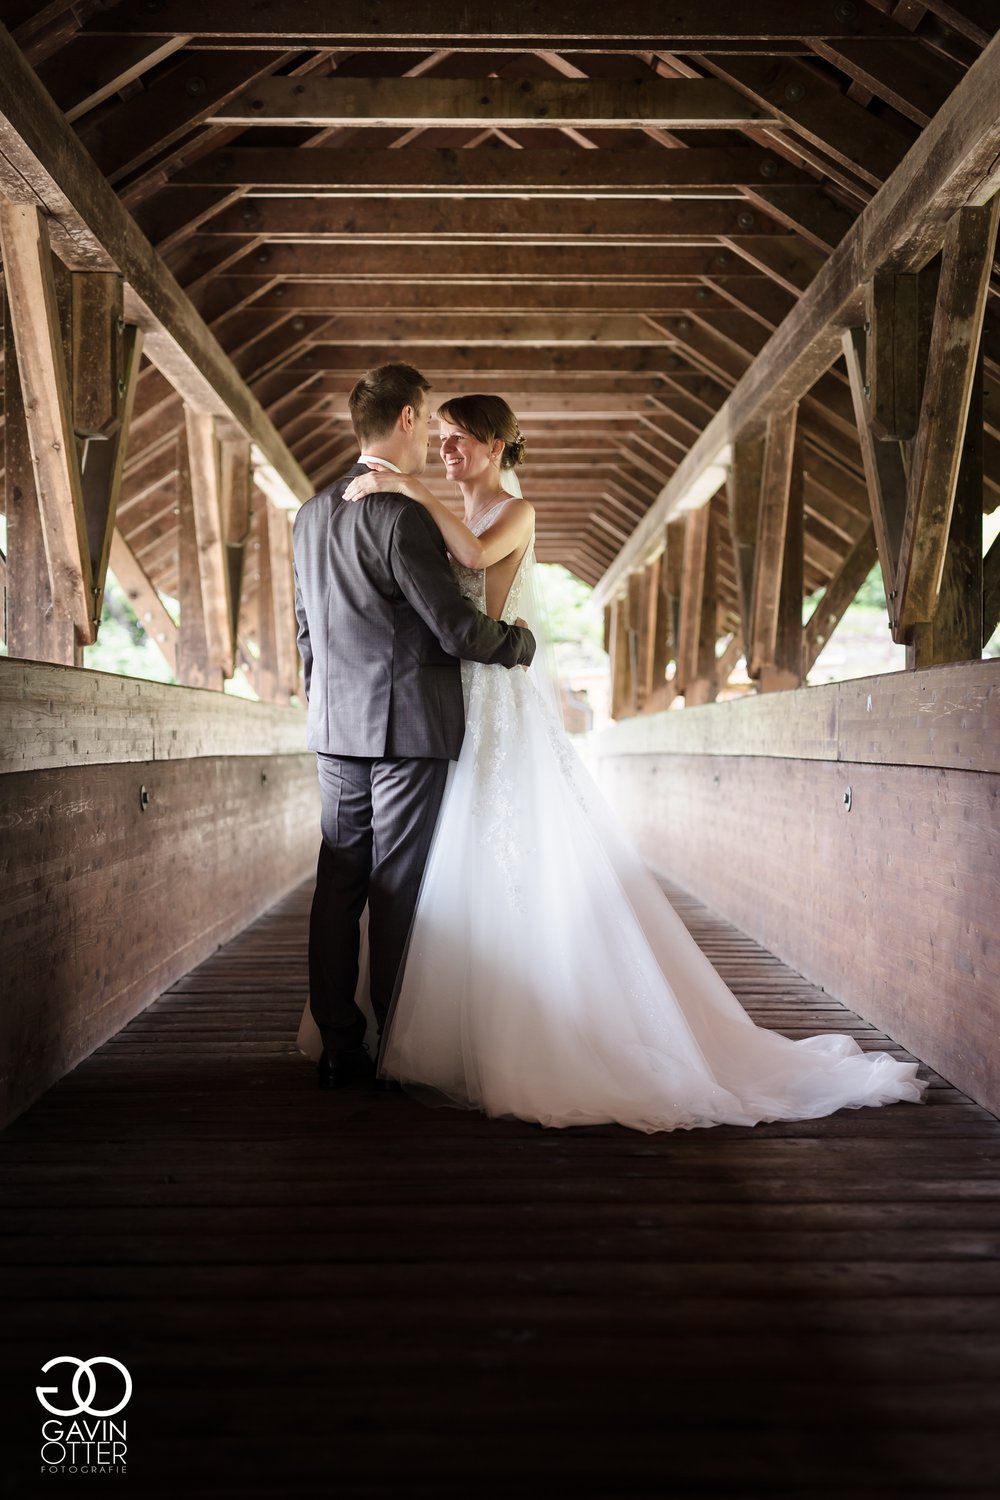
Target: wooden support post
(839, 595)
(652, 633)
(279, 539)
(621, 690)
(235, 483)
(925, 478)
(36, 630)
(955, 631)
(697, 635)
(673, 584)
(743, 492)
(144, 599)
(203, 468)
(705, 685)
(892, 364)
(659, 626)
(98, 352)
(885, 473)
(104, 463)
(38, 337)
(635, 592)
(265, 625)
(785, 668)
(642, 638)
(772, 528)
(197, 666)
(938, 448)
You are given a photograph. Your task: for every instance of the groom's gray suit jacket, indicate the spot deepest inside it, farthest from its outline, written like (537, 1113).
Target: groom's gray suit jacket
(382, 626)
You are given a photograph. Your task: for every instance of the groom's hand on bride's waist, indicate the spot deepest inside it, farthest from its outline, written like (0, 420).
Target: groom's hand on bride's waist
(524, 665)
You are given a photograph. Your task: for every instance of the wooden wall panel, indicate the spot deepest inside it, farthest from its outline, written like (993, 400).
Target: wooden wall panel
(892, 905)
(942, 716)
(57, 716)
(105, 904)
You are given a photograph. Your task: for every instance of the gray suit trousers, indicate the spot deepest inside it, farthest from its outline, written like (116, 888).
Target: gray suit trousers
(377, 819)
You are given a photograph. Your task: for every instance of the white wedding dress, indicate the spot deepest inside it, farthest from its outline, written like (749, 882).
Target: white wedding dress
(549, 979)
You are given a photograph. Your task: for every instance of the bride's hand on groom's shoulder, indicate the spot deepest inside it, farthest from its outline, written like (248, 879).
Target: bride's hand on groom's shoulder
(376, 482)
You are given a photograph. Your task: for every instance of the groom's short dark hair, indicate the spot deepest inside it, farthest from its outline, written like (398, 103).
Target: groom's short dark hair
(379, 397)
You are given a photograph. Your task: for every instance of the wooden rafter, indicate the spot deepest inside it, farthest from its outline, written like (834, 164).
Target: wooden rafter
(438, 170)
(329, 248)
(334, 220)
(947, 390)
(695, 104)
(954, 164)
(92, 231)
(912, 411)
(632, 24)
(48, 405)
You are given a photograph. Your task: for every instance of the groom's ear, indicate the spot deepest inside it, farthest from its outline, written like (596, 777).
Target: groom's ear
(407, 418)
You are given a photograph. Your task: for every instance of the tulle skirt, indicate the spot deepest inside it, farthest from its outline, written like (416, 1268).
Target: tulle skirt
(549, 979)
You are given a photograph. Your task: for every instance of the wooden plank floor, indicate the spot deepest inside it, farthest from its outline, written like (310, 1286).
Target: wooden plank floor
(351, 1295)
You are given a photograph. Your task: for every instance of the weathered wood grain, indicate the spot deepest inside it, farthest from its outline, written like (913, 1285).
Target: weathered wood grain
(52, 716)
(800, 1309)
(772, 528)
(51, 168)
(48, 410)
(954, 164)
(944, 718)
(492, 103)
(134, 895)
(952, 366)
(479, 27)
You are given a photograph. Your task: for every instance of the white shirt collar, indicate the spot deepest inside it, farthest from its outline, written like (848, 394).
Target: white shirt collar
(383, 463)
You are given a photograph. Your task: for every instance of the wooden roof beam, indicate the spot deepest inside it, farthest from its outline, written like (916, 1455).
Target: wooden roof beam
(572, 263)
(868, 146)
(502, 297)
(481, 359)
(87, 71)
(182, 95)
(954, 164)
(42, 163)
(588, 25)
(493, 221)
(418, 169)
(478, 104)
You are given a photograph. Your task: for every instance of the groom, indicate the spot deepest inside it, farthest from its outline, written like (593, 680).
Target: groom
(382, 626)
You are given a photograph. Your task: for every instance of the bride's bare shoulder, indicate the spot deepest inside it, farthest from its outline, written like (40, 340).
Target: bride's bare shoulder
(519, 509)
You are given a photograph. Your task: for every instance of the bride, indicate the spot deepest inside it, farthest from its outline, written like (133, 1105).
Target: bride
(547, 976)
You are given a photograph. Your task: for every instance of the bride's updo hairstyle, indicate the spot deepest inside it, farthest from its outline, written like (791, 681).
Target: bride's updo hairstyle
(487, 418)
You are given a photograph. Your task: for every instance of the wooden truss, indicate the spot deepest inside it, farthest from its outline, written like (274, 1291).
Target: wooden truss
(647, 228)
(904, 299)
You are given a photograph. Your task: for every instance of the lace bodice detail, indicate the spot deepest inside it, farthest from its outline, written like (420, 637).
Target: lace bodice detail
(472, 581)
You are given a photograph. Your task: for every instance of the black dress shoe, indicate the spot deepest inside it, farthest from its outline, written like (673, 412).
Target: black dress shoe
(344, 1068)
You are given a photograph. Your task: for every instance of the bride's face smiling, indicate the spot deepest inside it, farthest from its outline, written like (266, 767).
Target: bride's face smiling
(465, 458)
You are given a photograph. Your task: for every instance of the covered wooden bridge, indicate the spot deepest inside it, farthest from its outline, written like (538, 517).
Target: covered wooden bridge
(739, 287)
